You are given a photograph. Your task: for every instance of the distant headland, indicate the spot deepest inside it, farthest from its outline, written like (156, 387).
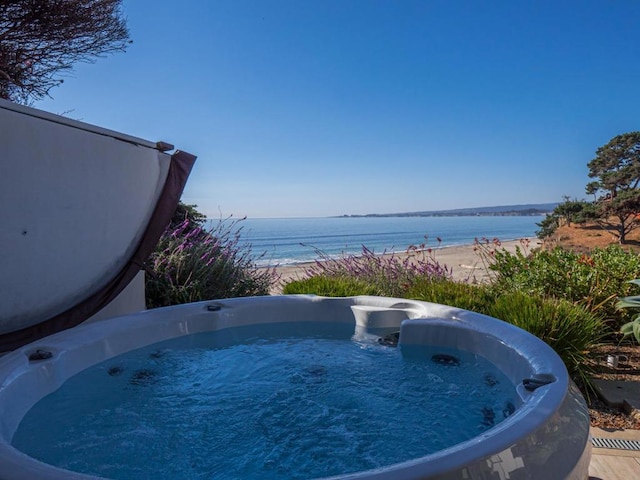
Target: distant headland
(497, 211)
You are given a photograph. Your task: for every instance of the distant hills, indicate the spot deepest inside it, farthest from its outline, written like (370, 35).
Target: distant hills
(497, 211)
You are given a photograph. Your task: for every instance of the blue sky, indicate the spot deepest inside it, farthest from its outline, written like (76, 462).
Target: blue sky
(320, 108)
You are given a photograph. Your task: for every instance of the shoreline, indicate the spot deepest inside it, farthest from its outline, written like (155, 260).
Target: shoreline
(463, 260)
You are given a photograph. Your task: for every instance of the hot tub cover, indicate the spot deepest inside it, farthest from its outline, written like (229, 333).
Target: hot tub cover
(81, 209)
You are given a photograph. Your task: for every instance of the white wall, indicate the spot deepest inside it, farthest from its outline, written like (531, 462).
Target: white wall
(130, 300)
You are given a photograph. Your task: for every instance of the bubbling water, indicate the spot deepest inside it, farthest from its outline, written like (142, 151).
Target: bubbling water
(270, 404)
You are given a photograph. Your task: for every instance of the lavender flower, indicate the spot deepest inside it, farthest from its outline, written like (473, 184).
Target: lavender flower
(192, 264)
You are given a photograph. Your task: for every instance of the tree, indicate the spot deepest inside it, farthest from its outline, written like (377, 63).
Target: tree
(39, 39)
(574, 211)
(567, 212)
(187, 212)
(617, 170)
(548, 226)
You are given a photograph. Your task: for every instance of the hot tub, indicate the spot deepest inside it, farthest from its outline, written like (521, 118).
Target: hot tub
(546, 436)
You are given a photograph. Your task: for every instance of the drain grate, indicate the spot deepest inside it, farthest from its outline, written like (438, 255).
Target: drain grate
(615, 443)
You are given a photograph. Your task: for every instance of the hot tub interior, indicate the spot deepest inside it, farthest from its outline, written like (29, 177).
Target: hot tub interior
(300, 387)
(299, 401)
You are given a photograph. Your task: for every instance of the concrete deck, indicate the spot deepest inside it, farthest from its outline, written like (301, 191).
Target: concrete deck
(614, 464)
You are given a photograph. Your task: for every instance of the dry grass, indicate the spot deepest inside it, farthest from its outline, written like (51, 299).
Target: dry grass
(585, 238)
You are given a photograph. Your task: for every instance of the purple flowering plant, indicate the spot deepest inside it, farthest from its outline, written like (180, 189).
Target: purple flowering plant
(192, 263)
(390, 273)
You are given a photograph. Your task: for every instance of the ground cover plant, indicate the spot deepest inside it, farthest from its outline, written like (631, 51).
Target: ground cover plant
(191, 263)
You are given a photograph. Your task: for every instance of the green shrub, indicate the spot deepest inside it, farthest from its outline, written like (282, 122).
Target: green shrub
(593, 280)
(571, 330)
(191, 264)
(331, 287)
(447, 292)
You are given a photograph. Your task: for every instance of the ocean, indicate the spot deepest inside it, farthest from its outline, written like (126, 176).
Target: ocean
(286, 241)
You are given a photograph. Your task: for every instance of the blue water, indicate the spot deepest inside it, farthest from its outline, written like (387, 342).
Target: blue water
(294, 240)
(204, 406)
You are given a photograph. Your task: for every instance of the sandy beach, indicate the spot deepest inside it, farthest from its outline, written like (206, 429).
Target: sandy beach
(464, 261)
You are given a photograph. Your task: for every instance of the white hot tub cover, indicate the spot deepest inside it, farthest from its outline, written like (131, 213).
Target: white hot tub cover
(81, 209)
